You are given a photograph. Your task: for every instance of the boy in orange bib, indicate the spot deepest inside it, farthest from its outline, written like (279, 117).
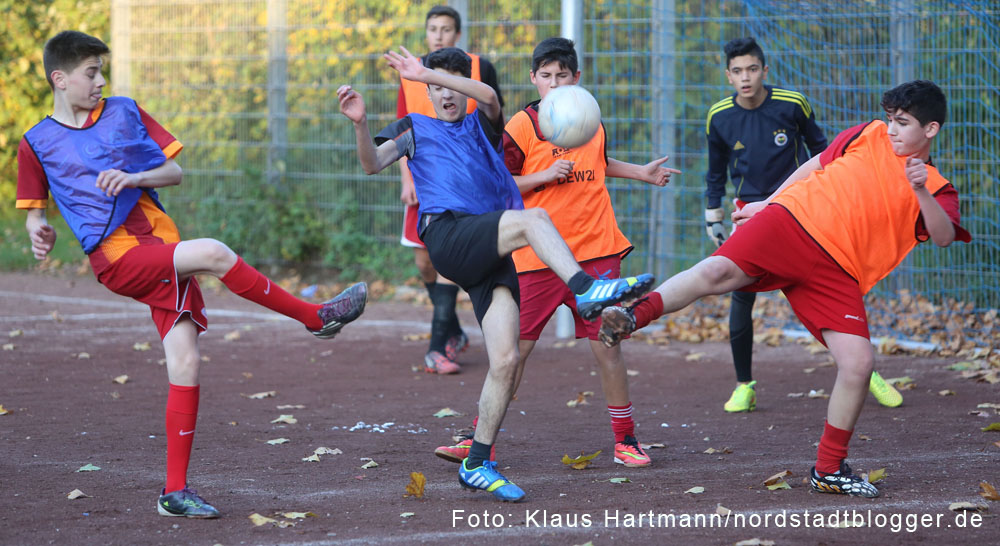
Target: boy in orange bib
(846, 219)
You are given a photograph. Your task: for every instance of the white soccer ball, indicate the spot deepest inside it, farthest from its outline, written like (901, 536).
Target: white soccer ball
(569, 116)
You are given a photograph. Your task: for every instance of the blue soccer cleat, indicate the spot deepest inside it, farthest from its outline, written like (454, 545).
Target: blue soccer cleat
(488, 478)
(607, 292)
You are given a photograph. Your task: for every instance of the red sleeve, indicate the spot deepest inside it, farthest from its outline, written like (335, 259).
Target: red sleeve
(32, 185)
(513, 156)
(166, 141)
(840, 144)
(401, 104)
(947, 197)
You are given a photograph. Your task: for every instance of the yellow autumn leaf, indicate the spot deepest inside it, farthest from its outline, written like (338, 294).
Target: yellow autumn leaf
(141, 346)
(780, 484)
(988, 492)
(314, 458)
(287, 419)
(15, 333)
(77, 494)
(259, 520)
(991, 427)
(416, 486)
(946, 392)
(232, 336)
(581, 462)
(121, 379)
(328, 451)
(959, 506)
(278, 441)
(694, 357)
(369, 464)
(876, 475)
(3, 410)
(696, 490)
(447, 412)
(780, 476)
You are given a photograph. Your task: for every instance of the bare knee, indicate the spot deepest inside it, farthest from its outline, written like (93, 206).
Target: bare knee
(858, 368)
(215, 255)
(536, 216)
(716, 271)
(506, 363)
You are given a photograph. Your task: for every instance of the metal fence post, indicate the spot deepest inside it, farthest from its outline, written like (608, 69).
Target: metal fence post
(664, 210)
(277, 85)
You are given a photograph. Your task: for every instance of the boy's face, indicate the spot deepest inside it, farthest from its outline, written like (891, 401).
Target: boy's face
(551, 75)
(82, 86)
(907, 136)
(746, 74)
(449, 105)
(441, 32)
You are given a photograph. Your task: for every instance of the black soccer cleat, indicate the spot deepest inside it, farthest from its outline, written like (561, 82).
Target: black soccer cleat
(342, 309)
(844, 482)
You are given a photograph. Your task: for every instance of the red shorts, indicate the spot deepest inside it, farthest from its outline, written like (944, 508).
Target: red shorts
(146, 274)
(410, 236)
(542, 292)
(775, 248)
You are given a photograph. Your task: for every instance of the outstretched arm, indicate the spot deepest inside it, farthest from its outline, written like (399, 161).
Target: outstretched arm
(42, 235)
(411, 68)
(372, 159)
(113, 181)
(936, 220)
(650, 173)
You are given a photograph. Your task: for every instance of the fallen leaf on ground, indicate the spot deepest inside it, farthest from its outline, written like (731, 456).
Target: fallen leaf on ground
(632, 373)
(287, 419)
(946, 392)
(141, 346)
(898, 381)
(755, 542)
(447, 412)
(988, 492)
(407, 514)
(232, 336)
(88, 468)
(818, 394)
(959, 506)
(285, 524)
(620, 480)
(864, 437)
(780, 476)
(417, 337)
(876, 475)
(314, 458)
(83, 356)
(694, 357)
(121, 379)
(722, 510)
(260, 395)
(696, 490)
(581, 399)
(15, 333)
(988, 405)
(247, 375)
(259, 520)
(581, 462)
(328, 451)
(808, 370)
(652, 446)
(290, 406)
(992, 427)
(8, 346)
(3, 410)
(416, 486)
(796, 394)
(369, 464)
(277, 441)
(296, 515)
(77, 494)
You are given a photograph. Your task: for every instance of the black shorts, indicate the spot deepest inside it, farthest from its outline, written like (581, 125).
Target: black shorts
(463, 249)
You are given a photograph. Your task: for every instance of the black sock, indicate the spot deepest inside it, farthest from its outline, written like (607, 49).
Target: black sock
(580, 282)
(741, 334)
(477, 454)
(443, 297)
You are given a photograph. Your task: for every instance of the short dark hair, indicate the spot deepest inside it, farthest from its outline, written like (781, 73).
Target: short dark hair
(560, 50)
(451, 59)
(449, 11)
(922, 99)
(743, 46)
(66, 50)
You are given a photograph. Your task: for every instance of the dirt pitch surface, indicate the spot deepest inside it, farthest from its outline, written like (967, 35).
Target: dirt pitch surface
(67, 412)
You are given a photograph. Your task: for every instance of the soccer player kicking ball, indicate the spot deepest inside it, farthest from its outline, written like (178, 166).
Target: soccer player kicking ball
(101, 160)
(471, 219)
(846, 219)
(570, 185)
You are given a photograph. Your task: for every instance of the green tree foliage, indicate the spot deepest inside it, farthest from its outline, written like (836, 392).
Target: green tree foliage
(25, 97)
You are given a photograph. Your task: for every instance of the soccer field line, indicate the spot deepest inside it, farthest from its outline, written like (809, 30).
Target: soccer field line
(134, 310)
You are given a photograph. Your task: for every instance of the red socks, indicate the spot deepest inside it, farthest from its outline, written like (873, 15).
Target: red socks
(621, 422)
(182, 412)
(251, 284)
(832, 449)
(650, 308)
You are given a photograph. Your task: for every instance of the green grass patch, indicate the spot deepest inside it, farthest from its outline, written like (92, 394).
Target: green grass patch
(15, 247)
